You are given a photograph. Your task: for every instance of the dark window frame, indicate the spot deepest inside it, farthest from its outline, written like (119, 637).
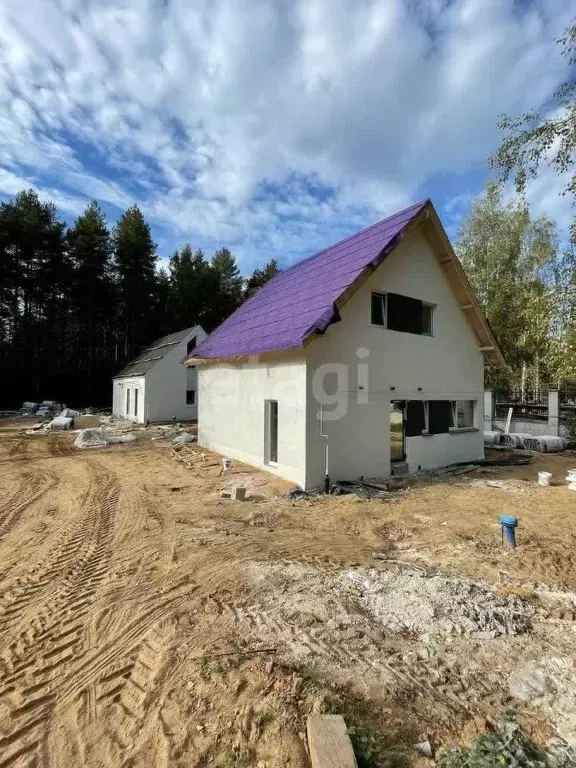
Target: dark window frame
(188, 392)
(378, 309)
(386, 311)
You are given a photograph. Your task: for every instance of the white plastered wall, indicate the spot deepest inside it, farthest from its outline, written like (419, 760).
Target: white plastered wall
(446, 366)
(162, 391)
(167, 382)
(231, 411)
(119, 387)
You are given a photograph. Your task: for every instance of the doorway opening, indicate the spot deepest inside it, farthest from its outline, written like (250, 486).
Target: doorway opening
(397, 430)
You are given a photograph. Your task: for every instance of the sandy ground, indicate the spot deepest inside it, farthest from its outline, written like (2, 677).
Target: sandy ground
(146, 621)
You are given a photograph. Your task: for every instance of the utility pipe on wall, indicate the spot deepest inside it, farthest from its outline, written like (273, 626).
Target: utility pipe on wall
(326, 450)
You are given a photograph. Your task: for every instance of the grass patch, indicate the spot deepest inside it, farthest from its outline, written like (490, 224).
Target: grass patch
(507, 747)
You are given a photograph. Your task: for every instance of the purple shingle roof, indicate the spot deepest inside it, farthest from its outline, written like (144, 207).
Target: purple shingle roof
(300, 301)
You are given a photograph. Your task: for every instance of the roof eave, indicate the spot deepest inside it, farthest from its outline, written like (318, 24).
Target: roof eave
(454, 272)
(346, 295)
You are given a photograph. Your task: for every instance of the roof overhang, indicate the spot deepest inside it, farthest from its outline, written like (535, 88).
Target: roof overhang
(450, 264)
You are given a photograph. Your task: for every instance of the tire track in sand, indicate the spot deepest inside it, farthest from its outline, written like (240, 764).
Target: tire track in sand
(32, 486)
(458, 689)
(45, 640)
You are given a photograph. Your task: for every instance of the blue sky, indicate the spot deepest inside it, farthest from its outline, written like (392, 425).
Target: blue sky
(272, 127)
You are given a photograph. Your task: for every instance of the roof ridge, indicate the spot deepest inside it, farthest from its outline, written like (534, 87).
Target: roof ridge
(354, 234)
(305, 292)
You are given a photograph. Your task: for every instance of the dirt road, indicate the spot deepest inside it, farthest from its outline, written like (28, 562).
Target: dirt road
(146, 621)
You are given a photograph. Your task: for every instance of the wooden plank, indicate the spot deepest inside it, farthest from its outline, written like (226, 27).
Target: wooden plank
(329, 743)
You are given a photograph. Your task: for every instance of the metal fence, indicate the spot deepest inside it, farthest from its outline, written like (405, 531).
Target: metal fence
(567, 404)
(527, 405)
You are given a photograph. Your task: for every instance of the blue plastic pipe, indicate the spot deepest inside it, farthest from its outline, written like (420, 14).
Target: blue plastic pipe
(509, 524)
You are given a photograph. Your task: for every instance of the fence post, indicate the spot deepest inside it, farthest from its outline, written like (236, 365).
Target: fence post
(553, 412)
(488, 409)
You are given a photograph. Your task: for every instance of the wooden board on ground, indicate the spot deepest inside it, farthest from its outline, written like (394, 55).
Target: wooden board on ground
(329, 743)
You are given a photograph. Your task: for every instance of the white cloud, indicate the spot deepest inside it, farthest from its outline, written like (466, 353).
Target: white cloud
(195, 110)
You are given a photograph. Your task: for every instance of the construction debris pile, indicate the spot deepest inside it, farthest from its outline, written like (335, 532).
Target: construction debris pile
(397, 599)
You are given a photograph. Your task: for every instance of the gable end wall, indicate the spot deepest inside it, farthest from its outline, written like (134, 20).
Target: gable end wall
(446, 366)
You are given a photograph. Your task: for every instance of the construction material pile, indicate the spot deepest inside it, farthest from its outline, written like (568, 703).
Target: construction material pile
(99, 438)
(514, 439)
(545, 444)
(541, 443)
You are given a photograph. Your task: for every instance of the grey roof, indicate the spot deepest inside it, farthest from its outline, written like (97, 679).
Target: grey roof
(152, 355)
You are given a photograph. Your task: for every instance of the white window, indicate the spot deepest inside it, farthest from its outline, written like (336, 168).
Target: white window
(190, 397)
(270, 431)
(426, 430)
(379, 309)
(463, 414)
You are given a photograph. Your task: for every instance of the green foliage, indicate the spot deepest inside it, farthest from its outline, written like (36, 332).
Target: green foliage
(508, 747)
(533, 139)
(76, 304)
(34, 277)
(260, 277)
(510, 259)
(225, 285)
(135, 273)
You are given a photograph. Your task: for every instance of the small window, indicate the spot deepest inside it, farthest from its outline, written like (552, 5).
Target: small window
(127, 402)
(379, 309)
(463, 414)
(136, 403)
(191, 346)
(270, 431)
(402, 313)
(190, 397)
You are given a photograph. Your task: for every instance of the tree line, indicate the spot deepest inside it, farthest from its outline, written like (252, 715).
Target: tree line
(78, 302)
(525, 279)
(526, 284)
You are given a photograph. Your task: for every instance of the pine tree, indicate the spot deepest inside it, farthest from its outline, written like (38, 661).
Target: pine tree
(191, 283)
(225, 286)
(260, 277)
(136, 279)
(36, 282)
(91, 293)
(163, 306)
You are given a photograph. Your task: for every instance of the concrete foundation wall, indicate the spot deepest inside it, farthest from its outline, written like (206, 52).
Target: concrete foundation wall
(232, 406)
